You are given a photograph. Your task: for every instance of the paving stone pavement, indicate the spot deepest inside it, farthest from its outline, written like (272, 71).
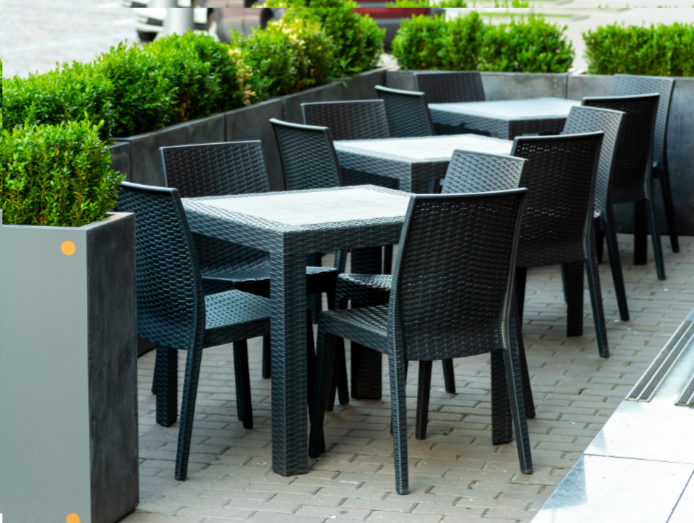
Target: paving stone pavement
(456, 474)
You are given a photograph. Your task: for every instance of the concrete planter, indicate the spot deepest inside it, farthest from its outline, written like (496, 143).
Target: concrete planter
(680, 149)
(68, 372)
(361, 87)
(501, 86)
(331, 92)
(120, 157)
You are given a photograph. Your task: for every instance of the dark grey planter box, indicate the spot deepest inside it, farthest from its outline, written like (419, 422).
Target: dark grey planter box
(68, 372)
(680, 149)
(145, 164)
(361, 87)
(120, 158)
(325, 93)
(501, 86)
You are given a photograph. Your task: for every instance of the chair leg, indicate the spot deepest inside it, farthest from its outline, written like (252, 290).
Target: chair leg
(310, 355)
(166, 380)
(610, 228)
(664, 178)
(423, 392)
(154, 376)
(342, 382)
(366, 373)
(599, 243)
(324, 368)
(190, 392)
(520, 424)
(244, 408)
(574, 298)
(398, 407)
(517, 335)
(596, 300)
(267, 357)
(654, 228)
(521, 276)
(448, 376)
(502, 422)
(640, 233)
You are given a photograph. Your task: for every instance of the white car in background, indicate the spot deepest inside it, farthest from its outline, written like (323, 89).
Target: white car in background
(218, 17)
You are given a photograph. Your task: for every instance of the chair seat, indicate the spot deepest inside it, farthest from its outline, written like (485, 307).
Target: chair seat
(258, 272)
(364, 325)
(234, 316)
(364, 289)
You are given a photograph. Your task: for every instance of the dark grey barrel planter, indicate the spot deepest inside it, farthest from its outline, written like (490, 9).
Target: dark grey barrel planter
(501, 86)
(68, 372)
(680, 149)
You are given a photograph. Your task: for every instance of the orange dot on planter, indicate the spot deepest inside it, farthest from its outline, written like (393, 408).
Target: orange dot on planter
(68, 249)
(72, 518)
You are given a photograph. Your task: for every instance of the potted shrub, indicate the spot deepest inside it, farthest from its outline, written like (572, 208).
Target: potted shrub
(68, 365)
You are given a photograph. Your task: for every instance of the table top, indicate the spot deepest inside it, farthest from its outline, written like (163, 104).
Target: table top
(425, 149)
(530, 109)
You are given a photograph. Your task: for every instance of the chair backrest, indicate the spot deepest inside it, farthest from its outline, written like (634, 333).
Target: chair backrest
(360, 120)
(560, 177)
(454, 274)
(215, 169)
(634, 151)
(626, 84)
(170, 303)
(308, 156)
(442, 87)
(471, 172)
(589, 120)
(407, 112)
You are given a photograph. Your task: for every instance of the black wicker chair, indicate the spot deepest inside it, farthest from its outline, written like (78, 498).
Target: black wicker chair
(173, 312)
(588, 120)
(352, 120)
(220, 169)
(444, 87)
(448, 243)
(632, 84)
(407, 112)
(632, 173)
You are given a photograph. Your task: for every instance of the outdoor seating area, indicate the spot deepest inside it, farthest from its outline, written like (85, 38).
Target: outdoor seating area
(303, 291)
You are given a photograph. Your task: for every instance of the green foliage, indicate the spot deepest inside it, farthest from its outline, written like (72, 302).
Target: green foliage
(529, 45)
(286, 57)
(662, 50)
(56, 175)
(427, 3)
(424, 42)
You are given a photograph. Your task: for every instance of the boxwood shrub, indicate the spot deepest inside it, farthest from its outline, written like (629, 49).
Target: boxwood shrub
(525, 44)
(56, 175)
(662, 50)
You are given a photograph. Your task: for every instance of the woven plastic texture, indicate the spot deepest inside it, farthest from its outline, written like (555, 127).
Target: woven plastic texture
(631, 84)
(308, 156)
(589, 120)
(407, 112)
(450, 87)
(471, 172)
(358, 120)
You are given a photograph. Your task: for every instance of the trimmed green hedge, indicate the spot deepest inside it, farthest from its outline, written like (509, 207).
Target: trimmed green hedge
(56, 175)
(525, 44)
(662, 50)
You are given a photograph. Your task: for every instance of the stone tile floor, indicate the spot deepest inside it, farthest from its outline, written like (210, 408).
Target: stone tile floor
(456, 474)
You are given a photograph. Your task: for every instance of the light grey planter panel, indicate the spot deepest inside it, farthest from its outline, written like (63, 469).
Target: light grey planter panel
(517, 86)
(362, 86)
(120, 158)
(145, 163)
(501, 86)
(68, 373)
(253, 123)
(325, 93)
(582, 85)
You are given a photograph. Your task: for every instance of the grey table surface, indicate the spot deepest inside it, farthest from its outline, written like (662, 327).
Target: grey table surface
(413, 161)
(504, 118)
(288, 226)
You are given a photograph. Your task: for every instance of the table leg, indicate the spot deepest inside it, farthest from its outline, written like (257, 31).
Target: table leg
(289, 371)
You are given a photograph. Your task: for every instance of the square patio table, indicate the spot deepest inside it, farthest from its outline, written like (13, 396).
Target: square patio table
(413, 162)
(290, 225)
(503, 118)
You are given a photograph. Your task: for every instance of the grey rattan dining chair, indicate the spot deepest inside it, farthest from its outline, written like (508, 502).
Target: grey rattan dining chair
(632, 173)
(220, 169)
(407, 112)
(627, 84)
(443, 87)
(588, 120)
(557, 229)
(349, 120)
(174, 314)
(448, 243)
